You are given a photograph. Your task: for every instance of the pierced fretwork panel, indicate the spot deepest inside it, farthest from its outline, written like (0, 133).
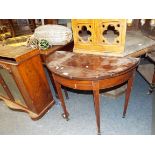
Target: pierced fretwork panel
(110, 34)
(83, 31)
(99, 35)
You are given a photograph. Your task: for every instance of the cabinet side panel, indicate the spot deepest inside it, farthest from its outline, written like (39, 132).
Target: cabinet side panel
(19, 81)
(35, 82)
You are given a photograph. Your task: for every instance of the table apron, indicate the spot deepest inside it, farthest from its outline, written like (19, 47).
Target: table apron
(89, 84)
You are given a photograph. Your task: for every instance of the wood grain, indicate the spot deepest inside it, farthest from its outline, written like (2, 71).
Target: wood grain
(96, 41)
(27, 71)
(91, 72)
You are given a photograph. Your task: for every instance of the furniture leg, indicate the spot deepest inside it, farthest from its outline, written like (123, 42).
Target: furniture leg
(66, 94)
(52, 80)
(152, 85)
(56, 93)
(127, 95)
(153, 79)
(97, 106)
(60, 95)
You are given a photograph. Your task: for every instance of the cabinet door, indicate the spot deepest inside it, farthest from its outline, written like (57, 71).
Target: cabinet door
(9, 80)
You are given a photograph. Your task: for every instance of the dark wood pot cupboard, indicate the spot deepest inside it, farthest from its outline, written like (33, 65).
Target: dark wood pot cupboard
(23, 83)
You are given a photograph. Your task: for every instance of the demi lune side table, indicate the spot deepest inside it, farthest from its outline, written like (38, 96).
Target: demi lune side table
(91, 72)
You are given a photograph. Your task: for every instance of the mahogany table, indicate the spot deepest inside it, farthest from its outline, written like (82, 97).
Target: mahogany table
(91, 72)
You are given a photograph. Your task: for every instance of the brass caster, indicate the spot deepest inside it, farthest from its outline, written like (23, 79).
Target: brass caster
(65, 117)
(123, 116)
(99, 133)
(149, 92)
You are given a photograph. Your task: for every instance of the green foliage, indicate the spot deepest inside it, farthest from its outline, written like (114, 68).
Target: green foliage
(44, 44)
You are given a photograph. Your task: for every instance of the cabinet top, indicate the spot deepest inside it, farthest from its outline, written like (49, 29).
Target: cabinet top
(17, 53)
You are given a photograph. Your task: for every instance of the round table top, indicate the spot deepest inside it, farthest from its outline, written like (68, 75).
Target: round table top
(81, 66)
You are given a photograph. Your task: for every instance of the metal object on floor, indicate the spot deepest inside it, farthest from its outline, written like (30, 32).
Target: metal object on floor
(147, 70)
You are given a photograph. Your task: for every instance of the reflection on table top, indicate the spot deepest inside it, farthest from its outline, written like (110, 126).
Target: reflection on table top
(136, 41)
(89, 66)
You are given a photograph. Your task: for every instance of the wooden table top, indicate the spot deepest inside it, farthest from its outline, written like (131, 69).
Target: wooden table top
(18, 53)
(13, 52)
(137, 44)
(88, 66)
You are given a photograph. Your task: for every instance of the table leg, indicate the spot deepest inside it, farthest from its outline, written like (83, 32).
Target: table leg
(97, 106)
(60, 95)
(56, 93)
(127, 95)
(66, 94)
(152, 84)
(153, 81)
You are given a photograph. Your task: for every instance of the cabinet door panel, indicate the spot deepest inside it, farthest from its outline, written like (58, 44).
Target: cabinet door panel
(8, 78)
(2, 92)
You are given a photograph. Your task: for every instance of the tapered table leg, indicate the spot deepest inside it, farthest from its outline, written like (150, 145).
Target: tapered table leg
(66, 94)
(52, 80)
(127, 95)
(56, 93)
(153, 79)
(97, 106)
(60, 95)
